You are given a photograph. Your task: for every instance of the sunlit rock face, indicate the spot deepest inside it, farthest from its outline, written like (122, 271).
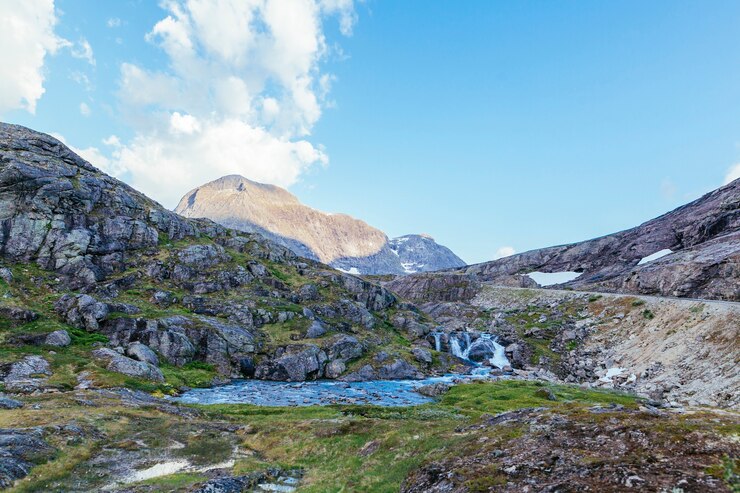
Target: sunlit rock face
(338, 240)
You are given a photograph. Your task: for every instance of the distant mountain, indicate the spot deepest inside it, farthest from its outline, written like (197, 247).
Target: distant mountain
(338, 240)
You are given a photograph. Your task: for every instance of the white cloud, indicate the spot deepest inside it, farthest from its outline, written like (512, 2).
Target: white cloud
(732, 174)
(184, 124)
(504, 251)
(84, 51)
(90, 154)
(27, 37)
(169, 165)
(242, 89)
(84, 109)
(113, 22)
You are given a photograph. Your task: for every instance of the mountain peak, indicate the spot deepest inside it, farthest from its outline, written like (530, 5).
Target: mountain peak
(336, 239)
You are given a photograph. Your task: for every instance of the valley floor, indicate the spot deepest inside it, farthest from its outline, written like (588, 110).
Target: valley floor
(484, 436)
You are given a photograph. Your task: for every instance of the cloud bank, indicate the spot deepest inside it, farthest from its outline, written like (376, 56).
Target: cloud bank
(27, 37)
(242, 90)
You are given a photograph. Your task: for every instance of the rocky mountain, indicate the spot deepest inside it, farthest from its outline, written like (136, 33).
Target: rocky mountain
(693, 251)
(338, 240)
(87, 259)
(110, 305)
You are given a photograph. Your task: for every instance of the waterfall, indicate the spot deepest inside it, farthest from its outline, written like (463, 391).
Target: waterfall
(499, 359)
(437, 341)
(456, 349)
(461, 347)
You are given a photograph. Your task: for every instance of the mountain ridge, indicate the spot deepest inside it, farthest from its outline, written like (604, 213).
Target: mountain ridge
(336, 239)
(691, 251)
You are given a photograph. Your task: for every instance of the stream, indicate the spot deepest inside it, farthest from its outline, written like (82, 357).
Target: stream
(389, 393)
(322, 392)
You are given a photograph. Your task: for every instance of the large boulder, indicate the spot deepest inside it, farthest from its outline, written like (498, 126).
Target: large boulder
(294, 363)
(82, 311)
(142, 352)
(119, 363)
(345, 348)
(58, 338)
(399, 370)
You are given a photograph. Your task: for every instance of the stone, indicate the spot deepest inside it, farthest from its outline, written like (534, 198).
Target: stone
(434, 389)
(422, 355)
(317, 329)
(20, 450)
(335, 369)
(295, 363)
(28, 374)
(127, 366)
(345, 348)
(58, 338)
(546, 393)
(364, 374)
(17, 313)
(82, 311)
(8, 403)
(142, 352)
(6, 275)
(399, 370)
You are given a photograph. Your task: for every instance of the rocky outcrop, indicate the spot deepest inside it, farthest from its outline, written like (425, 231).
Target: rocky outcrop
(119, 363)
(62, 213)
(20, 450)
(295, 363)
(26, 375)
(335, 239)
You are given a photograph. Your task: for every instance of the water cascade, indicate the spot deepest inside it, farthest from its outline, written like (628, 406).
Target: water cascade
(437, 340)
(485, 345)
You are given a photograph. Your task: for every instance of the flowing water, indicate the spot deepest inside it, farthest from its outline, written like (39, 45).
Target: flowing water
(375, 392)
(322, 392)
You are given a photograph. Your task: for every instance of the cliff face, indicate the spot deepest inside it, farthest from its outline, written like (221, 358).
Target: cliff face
(334, 239)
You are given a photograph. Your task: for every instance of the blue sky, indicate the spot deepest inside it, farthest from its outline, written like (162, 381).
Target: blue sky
(486, 124)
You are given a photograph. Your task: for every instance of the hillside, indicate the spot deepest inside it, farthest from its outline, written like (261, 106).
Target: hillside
(335, 239)
(131, 289)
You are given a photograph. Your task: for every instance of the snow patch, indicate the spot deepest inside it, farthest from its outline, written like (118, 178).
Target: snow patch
(352, 270)
(552, 278)
(655, 256)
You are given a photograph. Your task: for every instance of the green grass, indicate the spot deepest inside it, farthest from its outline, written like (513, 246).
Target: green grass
(328, 441)
(194, 374)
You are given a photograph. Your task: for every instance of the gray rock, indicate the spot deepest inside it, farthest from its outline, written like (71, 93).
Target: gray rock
(308, 292)
(399, 370)
(8, 403)
(6, 274)
(171, 343)
(121, 364)
(203, 256)
(335, 369)
(28, 374)
(434, 389)
(17, 313)
(59, 338)
(20, 450)
(294, 363)
(422, 355)
(364, 374)
(142, 352)
(82, 311)
(345, 348)
(317, 329)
